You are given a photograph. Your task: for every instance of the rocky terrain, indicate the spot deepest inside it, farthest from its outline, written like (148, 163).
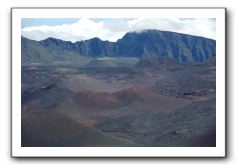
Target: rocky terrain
(157, 91)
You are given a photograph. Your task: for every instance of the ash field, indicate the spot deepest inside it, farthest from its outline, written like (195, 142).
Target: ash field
(148, 89)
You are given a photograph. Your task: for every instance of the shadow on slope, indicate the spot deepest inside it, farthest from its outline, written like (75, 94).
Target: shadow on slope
(52, 129)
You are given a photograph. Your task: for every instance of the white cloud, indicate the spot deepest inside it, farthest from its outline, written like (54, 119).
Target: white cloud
(114, 30)
(81, 30)
(198, 27)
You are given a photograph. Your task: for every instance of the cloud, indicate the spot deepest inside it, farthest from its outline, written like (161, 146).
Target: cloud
(198, 27)
(80, 30)
(114, 29)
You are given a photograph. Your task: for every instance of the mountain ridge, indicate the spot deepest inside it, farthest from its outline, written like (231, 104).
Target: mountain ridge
(181, 47)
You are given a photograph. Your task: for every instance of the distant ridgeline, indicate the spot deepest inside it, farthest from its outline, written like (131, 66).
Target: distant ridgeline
(181, 47)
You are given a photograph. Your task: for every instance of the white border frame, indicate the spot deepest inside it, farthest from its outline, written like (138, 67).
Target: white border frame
(218, 151)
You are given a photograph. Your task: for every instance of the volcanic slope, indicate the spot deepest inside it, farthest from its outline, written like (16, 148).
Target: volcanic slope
(52, 129)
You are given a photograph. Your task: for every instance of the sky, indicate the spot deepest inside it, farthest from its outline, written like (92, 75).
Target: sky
(111, 29)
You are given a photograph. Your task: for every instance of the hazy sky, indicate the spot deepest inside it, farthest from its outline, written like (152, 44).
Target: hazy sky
(111, 29)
